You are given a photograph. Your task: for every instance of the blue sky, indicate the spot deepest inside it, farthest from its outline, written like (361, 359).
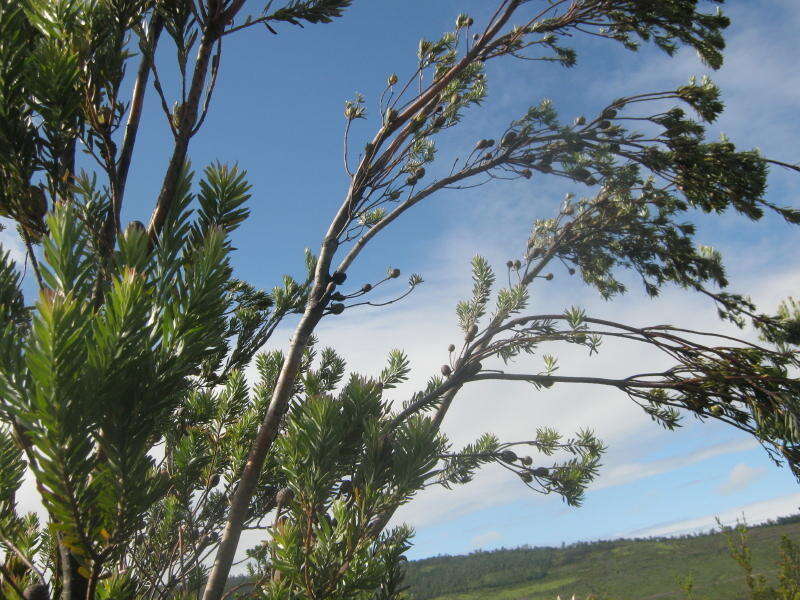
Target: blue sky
(278, 112)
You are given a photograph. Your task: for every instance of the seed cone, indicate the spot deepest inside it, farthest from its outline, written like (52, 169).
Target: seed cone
(508, 138)
(135, 226)
(508, 456)
(284, 496)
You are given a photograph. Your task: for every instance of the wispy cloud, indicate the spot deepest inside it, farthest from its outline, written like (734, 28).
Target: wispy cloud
(753, 513)
(629, 472)
(740, 478)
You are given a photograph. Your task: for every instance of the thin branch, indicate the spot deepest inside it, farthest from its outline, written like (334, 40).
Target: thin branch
(618, 383)
(34, 261)
(135, 113)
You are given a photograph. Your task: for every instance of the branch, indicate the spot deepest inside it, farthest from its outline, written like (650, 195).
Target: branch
(618, 383)
(135, 114)
(187, 118)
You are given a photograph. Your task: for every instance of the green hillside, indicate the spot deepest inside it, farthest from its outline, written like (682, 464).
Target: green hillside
(614, 570)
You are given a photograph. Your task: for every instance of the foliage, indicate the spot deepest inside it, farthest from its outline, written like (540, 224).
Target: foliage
(788, 585)
(123, 388)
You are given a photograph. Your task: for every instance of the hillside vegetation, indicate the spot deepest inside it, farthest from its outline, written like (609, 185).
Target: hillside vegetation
(641, 569)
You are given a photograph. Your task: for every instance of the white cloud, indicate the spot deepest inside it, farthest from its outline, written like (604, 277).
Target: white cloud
(488, 538)
(753, 513)
(741, 477)
(11, 242)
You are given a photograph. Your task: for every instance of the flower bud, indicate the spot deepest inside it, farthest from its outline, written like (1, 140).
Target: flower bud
(367, 287)
(518, 264)
(394, 273)
(392, 79)
(549, 277)
(338, 277)
(716, 410)
(527, 461)
(510, 264)
(451, 348)
(471, 333)
(446, 370)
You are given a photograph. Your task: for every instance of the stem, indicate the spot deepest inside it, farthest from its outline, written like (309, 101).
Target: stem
(73, 585)
(240, 502)
(188, 118)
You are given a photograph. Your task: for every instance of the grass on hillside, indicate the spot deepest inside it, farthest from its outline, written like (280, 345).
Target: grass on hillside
(649, 569)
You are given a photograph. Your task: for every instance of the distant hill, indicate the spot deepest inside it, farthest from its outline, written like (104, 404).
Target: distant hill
(641, 569)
